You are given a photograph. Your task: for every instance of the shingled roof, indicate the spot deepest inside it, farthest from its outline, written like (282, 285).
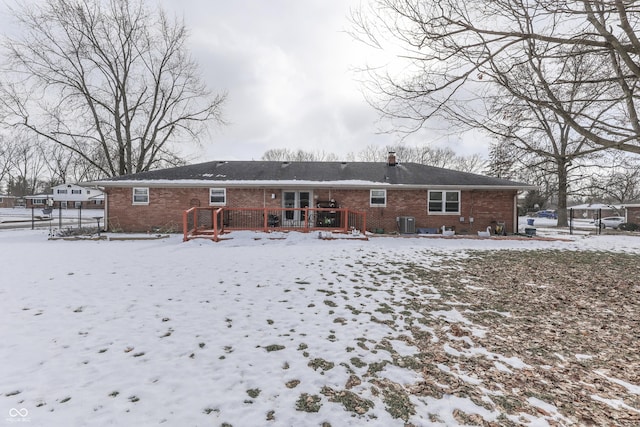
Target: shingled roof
(318, 174)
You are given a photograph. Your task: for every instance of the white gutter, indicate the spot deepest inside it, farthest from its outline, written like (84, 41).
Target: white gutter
(300, 184)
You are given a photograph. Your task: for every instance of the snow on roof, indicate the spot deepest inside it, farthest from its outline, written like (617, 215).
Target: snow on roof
(39, 196)
(594, 206)
(326, 174)
(280, 183)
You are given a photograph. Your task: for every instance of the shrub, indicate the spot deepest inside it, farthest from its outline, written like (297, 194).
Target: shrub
(629, 226)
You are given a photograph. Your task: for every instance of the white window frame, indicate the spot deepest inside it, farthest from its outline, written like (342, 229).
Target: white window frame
(443, 210)
(142, 195)
(78, 191)
(379, 194)
(218, 191)
(62, 191)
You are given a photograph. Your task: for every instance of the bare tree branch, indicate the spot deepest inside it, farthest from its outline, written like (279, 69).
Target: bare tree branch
(110, 81)
(453, 56)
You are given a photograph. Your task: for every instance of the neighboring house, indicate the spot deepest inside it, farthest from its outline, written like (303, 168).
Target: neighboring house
(7, 201)
(385, 191)
(68, 196)
(38, 201)
(75, 196)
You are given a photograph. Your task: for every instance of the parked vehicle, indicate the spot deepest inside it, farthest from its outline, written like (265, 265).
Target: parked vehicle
(610, 222)
(547, 214)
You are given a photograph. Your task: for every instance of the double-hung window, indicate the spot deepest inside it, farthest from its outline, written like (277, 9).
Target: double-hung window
(378, 198)
(141, 196)
(444, 202)
(217, 196)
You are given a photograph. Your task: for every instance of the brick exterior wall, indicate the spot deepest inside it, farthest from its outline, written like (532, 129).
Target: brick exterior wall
(7, 202)
(166, 206)
(633, 214)
(164, 210)
(485, 207)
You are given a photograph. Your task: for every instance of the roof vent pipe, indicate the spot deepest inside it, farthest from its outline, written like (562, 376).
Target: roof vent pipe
(391, 160)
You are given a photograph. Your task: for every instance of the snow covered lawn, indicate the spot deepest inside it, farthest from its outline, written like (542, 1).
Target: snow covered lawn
(298, 331)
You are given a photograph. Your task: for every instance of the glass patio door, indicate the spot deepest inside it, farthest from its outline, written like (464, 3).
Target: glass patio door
(292, 201)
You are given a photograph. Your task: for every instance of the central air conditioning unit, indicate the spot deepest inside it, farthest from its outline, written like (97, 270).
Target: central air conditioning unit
(407, 224)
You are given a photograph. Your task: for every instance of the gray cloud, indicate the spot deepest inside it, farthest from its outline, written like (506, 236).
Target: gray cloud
(286, 65)
(287, 68)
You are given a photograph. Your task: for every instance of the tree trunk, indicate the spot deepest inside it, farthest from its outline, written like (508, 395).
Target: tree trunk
(562, 192)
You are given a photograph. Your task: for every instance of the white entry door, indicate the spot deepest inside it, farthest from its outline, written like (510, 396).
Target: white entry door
(292, 200)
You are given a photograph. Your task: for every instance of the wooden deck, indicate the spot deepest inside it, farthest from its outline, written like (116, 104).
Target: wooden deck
(211, 222)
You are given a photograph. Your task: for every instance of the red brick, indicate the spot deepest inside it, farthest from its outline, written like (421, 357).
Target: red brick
(166, 206)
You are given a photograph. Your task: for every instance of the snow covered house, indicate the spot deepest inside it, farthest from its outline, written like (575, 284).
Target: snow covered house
(391, 196)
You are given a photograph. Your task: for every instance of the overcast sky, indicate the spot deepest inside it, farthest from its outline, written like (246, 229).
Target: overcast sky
(288, 69)
(286, 65)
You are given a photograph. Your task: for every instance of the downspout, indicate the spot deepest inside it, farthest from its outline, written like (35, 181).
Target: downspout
(106, 208)
(473, 205)
(516, 226)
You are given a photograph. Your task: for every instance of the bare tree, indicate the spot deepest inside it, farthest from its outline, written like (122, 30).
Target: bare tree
(616, 179)
(425, 155)
(503, 160)
(439, 157)
(285, 154)
(108, 80)
(624, 186)
(454, 54)
(6, 159)
(27, 166)
(58, 162)
(473, 163)
(64, 166)
(539, 134)
(371, 153)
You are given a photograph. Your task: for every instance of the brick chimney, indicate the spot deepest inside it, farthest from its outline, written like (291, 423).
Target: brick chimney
(391, 160)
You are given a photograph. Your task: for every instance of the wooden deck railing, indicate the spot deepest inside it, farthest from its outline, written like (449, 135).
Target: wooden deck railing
(210, 222)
